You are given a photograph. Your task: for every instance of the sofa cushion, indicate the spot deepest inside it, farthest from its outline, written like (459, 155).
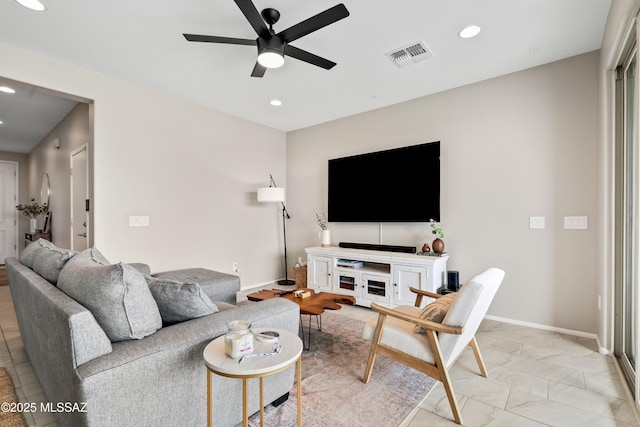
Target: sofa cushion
(48, 260)
(117, 295)
(179, 301)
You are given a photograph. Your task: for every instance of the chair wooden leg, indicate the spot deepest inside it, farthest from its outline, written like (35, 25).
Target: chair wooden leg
(443, 375)
(476, 351)
(377, 335)
(446, 382)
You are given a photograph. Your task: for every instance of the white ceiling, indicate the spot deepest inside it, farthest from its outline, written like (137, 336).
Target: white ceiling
(143, 42)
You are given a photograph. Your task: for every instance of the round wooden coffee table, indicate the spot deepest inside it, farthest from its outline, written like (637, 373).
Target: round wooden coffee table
(219, 363)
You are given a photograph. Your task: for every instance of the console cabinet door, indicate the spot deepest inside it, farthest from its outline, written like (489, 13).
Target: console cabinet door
(346, 282)
(376, 288)
(319, 276)
(404, 277)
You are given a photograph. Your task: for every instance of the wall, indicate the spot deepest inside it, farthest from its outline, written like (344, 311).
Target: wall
(73, 132)
(516, 146)
(194, 171)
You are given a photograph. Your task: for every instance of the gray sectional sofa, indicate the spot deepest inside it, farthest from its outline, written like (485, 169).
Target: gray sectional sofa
(129, 365)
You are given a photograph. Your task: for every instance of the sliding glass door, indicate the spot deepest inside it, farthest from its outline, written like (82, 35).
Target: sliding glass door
(627, 216)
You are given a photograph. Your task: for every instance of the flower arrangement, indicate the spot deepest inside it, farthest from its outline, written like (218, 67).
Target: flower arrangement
(321, 219)
(33, 209)
(436, 228)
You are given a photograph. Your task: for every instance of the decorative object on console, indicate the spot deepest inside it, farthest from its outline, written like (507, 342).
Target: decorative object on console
(325, 233)
(438, 243)
(270, 194)
(33, 210)
(426, 248)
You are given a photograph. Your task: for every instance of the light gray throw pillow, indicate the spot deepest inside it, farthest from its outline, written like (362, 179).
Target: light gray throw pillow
(48, 260)
(26, 256)
(179, 301)
(117, 295)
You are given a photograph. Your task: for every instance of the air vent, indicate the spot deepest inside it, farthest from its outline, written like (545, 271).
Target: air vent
(410, 54)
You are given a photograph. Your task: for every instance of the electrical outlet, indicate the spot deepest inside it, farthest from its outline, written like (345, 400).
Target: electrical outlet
(235, 267)
(138, 221)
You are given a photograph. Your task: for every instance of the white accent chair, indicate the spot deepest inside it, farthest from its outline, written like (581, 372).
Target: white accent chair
(393, 334)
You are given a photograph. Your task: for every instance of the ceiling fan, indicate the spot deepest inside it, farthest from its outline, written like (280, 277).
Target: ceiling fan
(271, 46)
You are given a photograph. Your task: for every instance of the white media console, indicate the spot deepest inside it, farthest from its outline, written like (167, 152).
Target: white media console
(374, 276)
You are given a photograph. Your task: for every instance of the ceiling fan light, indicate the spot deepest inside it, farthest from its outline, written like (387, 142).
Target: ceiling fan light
(271, 59)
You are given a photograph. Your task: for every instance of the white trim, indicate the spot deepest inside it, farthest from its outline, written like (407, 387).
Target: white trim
(543, 327)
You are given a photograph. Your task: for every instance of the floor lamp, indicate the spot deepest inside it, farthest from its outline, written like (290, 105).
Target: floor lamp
(271, 194)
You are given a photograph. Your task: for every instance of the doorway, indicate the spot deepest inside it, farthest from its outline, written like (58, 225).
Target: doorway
(80, 208)
(8, 214)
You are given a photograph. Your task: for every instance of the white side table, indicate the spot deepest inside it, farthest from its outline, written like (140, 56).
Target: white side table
(219, 363)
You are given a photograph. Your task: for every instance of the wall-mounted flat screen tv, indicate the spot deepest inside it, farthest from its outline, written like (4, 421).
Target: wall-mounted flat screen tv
(397, 185)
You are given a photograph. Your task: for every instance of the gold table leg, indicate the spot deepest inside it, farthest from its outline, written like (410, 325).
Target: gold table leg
(208, 398)
(299, 374)
(261, 404)
(245, 398)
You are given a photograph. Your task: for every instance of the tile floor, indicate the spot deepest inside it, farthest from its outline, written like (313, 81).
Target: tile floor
(536, 378)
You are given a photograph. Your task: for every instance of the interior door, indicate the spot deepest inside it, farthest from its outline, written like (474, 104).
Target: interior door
(80, 199)
(8, 202)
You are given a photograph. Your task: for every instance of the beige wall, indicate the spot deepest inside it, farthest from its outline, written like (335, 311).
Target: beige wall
(516, 146)
(73, 132)
(194, 171)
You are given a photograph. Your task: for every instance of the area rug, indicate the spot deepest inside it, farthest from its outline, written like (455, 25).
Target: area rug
(333, 393)
(7, 397)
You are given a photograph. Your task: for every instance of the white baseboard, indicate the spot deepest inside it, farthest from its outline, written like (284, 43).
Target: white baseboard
(546, 328)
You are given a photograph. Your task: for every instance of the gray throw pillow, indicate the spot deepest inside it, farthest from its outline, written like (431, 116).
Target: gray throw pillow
(48, 260)
(179, 301)
(117, 295)
(26, 256)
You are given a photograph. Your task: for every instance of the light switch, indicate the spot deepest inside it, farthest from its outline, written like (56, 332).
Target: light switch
(536, 222)
(576, 223)
(138, 221)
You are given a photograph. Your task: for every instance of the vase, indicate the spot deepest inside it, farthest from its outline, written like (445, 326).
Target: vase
(438, 246)
(325, 238)
(426, 248)
(33, 224)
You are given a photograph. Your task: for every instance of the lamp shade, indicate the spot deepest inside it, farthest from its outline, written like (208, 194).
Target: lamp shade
(270, 194)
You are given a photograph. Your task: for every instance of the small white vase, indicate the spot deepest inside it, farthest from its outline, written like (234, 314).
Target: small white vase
(325, 238)
(33, 224)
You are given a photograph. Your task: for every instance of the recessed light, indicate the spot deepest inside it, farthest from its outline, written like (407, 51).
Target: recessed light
(469, 31)
(32, 4)
(7, 89)
(275, 102)
(1, 122)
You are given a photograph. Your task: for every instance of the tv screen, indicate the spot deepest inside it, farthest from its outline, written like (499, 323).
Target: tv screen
(397, 185)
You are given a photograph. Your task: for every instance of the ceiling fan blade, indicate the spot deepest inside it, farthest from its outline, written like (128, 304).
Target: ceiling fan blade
(216, 39)
(305, 56)
(258, 70)
(253, 16)
(314, 23)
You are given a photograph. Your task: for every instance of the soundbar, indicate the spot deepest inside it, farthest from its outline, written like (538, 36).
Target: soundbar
(373, 247)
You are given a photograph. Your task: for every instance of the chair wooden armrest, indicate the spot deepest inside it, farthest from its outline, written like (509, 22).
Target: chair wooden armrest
(427, 324)
(420, 293)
